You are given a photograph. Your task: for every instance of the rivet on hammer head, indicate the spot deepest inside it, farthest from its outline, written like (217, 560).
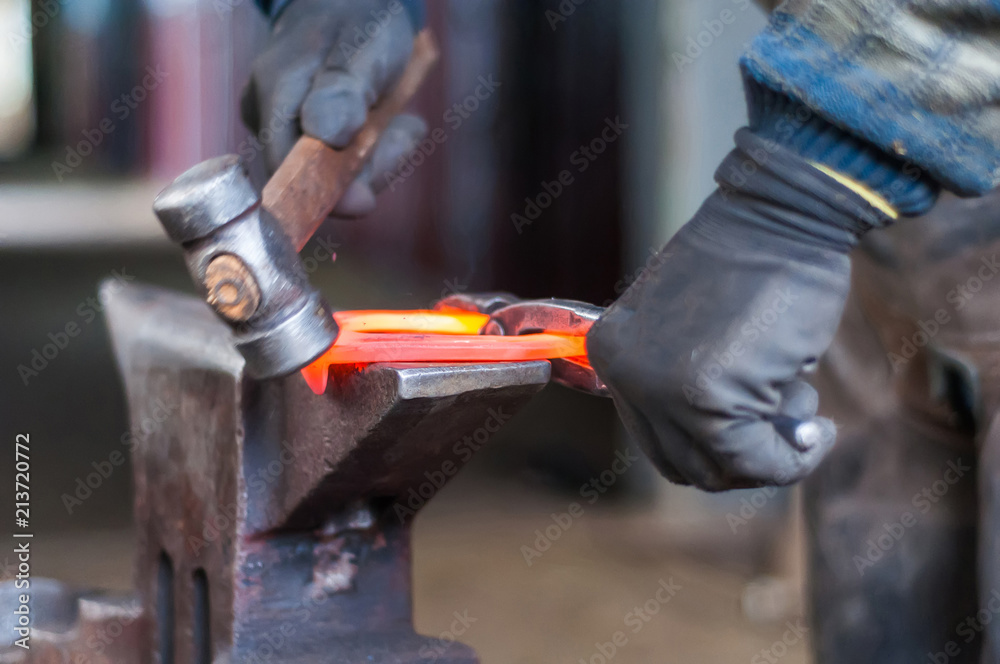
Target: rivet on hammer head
(232, 289)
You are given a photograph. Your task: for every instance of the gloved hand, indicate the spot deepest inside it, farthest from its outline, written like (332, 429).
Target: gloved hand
(325, 64)
(704, 353)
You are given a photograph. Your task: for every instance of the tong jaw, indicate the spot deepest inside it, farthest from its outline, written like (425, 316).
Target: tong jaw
(510, 316)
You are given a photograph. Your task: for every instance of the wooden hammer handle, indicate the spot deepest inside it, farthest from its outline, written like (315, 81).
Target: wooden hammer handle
(313, 177)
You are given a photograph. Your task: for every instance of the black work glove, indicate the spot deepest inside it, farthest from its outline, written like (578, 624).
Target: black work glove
(325, 64)
(704, 354)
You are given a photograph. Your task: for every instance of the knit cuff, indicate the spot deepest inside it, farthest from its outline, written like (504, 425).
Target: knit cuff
(779, 118)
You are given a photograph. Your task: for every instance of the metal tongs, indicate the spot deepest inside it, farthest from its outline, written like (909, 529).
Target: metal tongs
(511, 316)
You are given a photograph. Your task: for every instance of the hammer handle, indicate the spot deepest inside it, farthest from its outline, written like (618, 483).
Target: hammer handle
(313, 177)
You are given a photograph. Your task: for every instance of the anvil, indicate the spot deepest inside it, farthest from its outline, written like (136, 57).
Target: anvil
(273, 523)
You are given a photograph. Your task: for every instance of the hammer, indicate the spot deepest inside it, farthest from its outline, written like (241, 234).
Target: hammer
(244, 255)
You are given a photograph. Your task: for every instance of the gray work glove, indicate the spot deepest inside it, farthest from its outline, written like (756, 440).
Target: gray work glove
(325, 64)
(704, 354)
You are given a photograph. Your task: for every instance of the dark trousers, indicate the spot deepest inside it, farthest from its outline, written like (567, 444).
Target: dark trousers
(904, 516)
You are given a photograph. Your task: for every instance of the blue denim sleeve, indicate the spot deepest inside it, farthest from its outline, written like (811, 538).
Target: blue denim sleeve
(415, 8)
(920, 79)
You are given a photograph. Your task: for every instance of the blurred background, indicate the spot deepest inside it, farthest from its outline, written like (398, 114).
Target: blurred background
(104, 101)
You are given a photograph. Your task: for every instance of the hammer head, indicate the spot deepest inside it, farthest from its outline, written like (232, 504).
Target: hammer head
(246, 267)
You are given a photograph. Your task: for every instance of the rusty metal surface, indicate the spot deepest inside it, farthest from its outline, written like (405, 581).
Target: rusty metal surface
(280, 322)
(273, 523)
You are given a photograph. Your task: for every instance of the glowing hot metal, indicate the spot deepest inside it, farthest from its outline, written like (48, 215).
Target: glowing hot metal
(449, 335)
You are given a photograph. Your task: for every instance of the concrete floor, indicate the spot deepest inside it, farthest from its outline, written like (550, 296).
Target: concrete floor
(571, 601)
(565, 607)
